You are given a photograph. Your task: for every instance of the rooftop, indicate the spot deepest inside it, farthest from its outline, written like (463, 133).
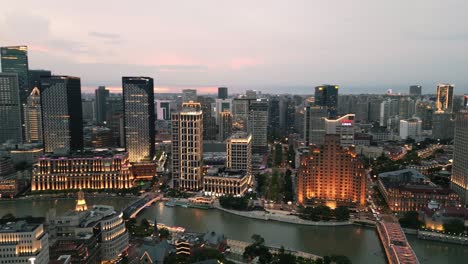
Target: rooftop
(19, 226)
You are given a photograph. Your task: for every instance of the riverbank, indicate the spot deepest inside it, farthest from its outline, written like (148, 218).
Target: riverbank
(279, 216)
(437, 236)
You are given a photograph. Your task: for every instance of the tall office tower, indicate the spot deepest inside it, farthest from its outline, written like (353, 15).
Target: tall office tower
(444, 98)
(331, 173)
(287, 111)
(187, 147)
(89, 110)
(115, 119)
(163, 110)
(415, 90)
(33, 117)
(342, 126)
(62, 115)
(374, 109)
(411, 128)
(221, 105)
(101, 104)
(258, 125)
(443, 126)
(138, 98)
(222, 93)
(209, 121)
(424, 111)
(35, 77)
(327, 96)
(299, 125)
(459, 180)
(314, 124)
(240, 112)
(10, 108)
(274, 129)
(225, 125)
(23, 242)
(15, 60)
(406, 108)
(189, 95)
(239, 152)
(388, 109)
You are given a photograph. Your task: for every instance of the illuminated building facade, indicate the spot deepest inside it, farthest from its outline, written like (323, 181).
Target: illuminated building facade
(225, 125)
(327, 96)
(460, 157)
(444, 98)
(10, 109)
(239, 152)
(82, 171)
(62, 115)
(343, 126)
(331, 173)
(187, 147)
(33, 117)
(408, 190)
(139, 117)
(218, 182)
(21, 242)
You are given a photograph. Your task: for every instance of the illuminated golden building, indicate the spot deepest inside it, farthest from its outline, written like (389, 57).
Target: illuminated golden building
(218, 182)
(33, 117)
(95, 170)
(459, 179)
(444, 98)
(331, 173)
(21, 242)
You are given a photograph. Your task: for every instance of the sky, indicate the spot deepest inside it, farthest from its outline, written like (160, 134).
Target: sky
(268, 45)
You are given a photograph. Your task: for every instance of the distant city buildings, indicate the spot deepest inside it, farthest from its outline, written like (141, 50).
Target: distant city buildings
(163, 110)
(314, 124)
(187, 147)
(342, 126)
(459, 179)
(411, 128)
(443, 125)
(225, 125)
(331, 173)
(258, 125)
(10, 108)
(415, 90)
(101, 94)
(62, 116)
(327, 96)
(222, 93)
(189, 95)
(139, 117)
(444, 98)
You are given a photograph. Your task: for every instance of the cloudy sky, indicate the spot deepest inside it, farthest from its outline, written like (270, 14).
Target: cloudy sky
(273, 46)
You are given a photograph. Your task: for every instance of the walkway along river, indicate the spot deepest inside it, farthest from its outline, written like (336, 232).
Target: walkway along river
(360, 244)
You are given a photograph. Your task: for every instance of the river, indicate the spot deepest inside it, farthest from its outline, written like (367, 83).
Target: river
(360, 244)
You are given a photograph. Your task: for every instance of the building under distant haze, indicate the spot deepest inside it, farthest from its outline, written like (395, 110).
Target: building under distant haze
(139, 117)
(460, 157)
(411, 128)
(10, 108)
(258, 125)
(189, 95)
(62, 115)
(327, 96)
(314, 124)
(187, 147)
(444, 98)
(331, 173)
(415, 90)
(101, 104)
(222, 93)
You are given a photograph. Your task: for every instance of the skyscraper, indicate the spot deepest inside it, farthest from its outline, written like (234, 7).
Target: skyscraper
(222, 93)
(331, 173)
(327, 96)
(187, 147)
(225, 125)
(239, 152)
(415, 90)
(101, 104)
(444, 98)
(10, 108)
(115, 119)
(139, 117)
(443, 125)
(314, 124)
(33, 117)
(460, 157)
(35, 77)
(62, 115)
(258, 125)
(15, 60)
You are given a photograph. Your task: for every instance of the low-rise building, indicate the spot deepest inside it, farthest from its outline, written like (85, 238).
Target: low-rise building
(222, 181)
(21, 242)
(409, 190)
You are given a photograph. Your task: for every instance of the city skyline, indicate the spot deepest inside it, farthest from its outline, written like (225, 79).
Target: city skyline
(362, 49)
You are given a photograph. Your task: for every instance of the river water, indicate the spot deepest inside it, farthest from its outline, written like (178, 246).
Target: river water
(360, 244)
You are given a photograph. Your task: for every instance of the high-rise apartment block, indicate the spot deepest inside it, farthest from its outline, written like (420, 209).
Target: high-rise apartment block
(331, 173)
(460, 157)
(444, 98)
(10, 108)
(187, 147)
(327, 96)
(139, 117)
(62, 115)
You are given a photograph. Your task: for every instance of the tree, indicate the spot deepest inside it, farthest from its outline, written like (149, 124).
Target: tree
(144, 223)
(288, 187)
(292, 156)
(164, 233)
(8, 216)
(342, 213)
(278, 154)
(454, 226)
(411, 220)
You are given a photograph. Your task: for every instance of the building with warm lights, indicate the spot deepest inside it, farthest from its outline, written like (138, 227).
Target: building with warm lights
(239, 152)
(93, 170)
(343, 126)
(224, 125)
(222, 181)
(139, 117)
(444, 98)
(62, 115)
(21, 242)
(459, 179)
(409, 190)
(33, 117)
(101, 222)
(327, 96)
(10, 109)
(331, 173)
(187, 147)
